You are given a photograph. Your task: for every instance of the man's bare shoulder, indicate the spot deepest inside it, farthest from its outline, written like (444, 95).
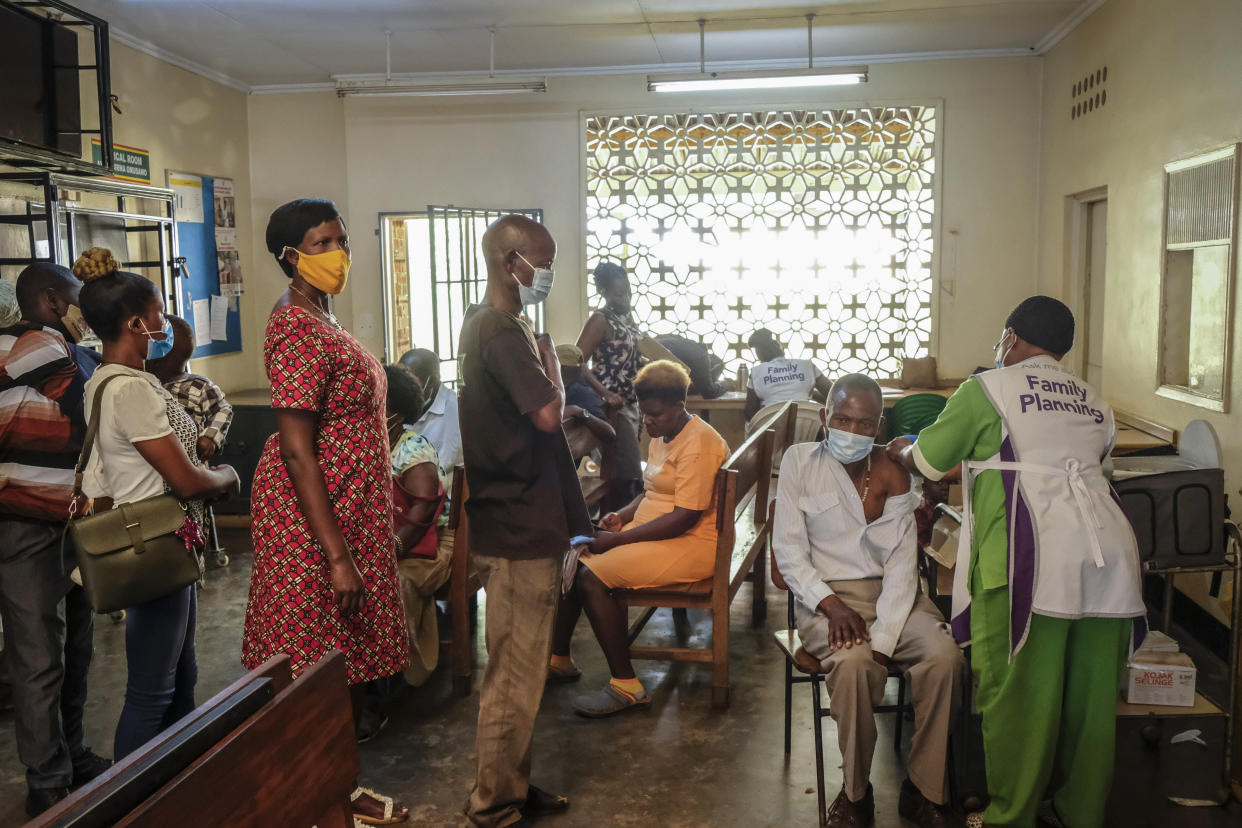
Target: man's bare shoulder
(895, 480)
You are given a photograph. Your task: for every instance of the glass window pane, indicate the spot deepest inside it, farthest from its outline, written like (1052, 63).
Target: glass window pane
(1196, 292)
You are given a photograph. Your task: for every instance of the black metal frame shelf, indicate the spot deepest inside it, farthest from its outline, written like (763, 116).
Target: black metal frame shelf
(1232, 563)
(49, 215)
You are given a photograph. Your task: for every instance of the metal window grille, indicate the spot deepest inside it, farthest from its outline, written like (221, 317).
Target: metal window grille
(814, 224)
(451, 277)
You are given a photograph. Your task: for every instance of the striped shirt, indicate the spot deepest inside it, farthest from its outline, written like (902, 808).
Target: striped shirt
(41, 421)
(205, 403)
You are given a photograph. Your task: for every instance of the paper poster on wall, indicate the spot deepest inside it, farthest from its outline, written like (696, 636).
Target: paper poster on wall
(229, 265)
(202, 322)
(226, 220)
(207, 241)
(219, 318)
(187, 196)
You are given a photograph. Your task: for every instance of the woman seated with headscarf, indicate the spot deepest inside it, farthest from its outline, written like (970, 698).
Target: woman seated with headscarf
(666, 536)
(425, 548)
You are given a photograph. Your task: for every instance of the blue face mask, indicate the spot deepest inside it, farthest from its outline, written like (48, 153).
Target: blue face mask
(848, 447)
(157, 348)
(540, 286)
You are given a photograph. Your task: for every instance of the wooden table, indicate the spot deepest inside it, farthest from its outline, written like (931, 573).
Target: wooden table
(1137, 434)
(724, 413)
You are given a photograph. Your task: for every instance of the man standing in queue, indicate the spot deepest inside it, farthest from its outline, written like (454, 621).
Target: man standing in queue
(48, 623)
(525, 505)
(1047, 584)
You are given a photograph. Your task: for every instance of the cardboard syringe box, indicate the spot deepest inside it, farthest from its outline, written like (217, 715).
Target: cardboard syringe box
(1161, 678)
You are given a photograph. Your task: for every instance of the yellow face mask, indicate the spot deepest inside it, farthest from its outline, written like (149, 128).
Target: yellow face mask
(324, 271)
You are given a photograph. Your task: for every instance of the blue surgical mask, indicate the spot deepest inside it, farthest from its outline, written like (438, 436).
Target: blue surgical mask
(848, 447)
(157, 348)
(540, 286)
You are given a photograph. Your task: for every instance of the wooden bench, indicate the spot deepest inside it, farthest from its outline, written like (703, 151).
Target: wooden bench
(461, 589)
(581, 443)
(741, 494)
(266, 750)
(790, 424)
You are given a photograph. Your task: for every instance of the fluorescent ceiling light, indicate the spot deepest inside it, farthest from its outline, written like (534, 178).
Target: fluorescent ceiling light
(770, 79)
(442, 86)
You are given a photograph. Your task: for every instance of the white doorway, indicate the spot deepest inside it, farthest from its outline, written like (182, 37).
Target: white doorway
(1097, 253)
(1087, 259)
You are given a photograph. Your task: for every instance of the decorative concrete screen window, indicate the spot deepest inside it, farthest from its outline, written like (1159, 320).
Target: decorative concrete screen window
(815, 224)
(1200, 231)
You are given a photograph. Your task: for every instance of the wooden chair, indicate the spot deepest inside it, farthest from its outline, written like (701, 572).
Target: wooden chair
(461, 590)
(789, 641)
(266, 750)
(742, 489)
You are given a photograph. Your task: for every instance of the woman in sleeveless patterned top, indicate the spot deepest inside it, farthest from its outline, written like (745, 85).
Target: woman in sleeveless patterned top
(610, 340)
(146, 445)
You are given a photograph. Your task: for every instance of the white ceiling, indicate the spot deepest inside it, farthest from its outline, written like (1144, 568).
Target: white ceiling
(256, 43)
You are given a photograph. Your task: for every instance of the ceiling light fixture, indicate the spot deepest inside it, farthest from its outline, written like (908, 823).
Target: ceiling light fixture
(704, 81)
(442, 86)
(427, 86)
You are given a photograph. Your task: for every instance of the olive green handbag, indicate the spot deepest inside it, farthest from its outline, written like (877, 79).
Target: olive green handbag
(129, 554)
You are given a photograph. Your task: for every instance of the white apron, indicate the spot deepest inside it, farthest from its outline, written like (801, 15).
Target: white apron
(1072, 552)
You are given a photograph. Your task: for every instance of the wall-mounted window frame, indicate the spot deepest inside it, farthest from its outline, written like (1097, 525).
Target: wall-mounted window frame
(1197, 273)
(433, 269)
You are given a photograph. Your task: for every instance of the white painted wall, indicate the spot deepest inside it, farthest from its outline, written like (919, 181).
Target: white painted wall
(300, 154)
(402, 154)
(192, 124)
(1174, 82)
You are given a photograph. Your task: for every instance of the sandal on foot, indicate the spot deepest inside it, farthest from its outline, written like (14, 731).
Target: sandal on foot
(608, 702)
(559, 676)
(370, 726)
(387, 819)
(541, 803)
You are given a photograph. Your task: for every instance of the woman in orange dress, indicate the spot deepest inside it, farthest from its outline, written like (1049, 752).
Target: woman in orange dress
(666, 536)
(325, 566)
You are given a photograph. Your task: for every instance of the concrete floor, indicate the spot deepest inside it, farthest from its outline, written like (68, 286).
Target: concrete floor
(677, 764)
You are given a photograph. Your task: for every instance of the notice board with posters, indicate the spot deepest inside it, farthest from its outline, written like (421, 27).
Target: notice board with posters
(210, 287)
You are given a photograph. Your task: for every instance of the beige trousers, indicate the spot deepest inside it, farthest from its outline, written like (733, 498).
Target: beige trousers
(929, 657)
(522, 597)
(420, 579)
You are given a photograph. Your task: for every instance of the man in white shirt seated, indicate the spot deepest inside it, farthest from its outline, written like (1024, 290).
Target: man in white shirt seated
(439, 421)
(845, 541)
(778, 379)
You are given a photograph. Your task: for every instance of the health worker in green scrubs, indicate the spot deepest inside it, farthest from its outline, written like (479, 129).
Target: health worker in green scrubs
(1047, 582)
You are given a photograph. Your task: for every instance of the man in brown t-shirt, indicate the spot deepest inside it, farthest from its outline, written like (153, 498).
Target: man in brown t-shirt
(525, 504)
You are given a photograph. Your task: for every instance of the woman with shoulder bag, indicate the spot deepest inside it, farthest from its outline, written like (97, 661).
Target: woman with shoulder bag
(145, 446)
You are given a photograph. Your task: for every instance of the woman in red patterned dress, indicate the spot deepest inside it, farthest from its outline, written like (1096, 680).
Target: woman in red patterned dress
(325, 569)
